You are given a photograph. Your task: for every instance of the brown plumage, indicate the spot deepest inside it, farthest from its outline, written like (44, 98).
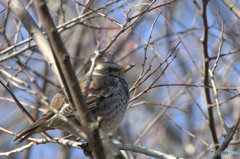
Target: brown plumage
(108, 97)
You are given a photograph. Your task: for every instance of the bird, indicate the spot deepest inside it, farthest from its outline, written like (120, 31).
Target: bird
(108, 97)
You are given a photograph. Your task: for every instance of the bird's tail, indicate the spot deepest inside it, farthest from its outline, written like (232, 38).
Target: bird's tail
(27, 132)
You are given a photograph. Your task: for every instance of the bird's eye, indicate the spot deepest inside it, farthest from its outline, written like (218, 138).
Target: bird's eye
(109, 69)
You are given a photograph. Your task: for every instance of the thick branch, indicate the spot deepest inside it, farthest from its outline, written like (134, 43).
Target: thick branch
(69, 80)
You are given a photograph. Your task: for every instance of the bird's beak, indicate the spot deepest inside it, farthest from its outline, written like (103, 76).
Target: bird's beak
(128, 67)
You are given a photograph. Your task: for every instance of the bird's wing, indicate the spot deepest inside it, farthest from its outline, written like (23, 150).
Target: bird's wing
(59, 103)
(56, 103)
(97, 91)
(96, 96)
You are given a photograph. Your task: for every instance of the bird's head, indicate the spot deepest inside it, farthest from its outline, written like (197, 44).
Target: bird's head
(111, 68)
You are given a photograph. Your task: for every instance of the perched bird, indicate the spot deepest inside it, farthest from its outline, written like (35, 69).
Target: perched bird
(108, 97)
